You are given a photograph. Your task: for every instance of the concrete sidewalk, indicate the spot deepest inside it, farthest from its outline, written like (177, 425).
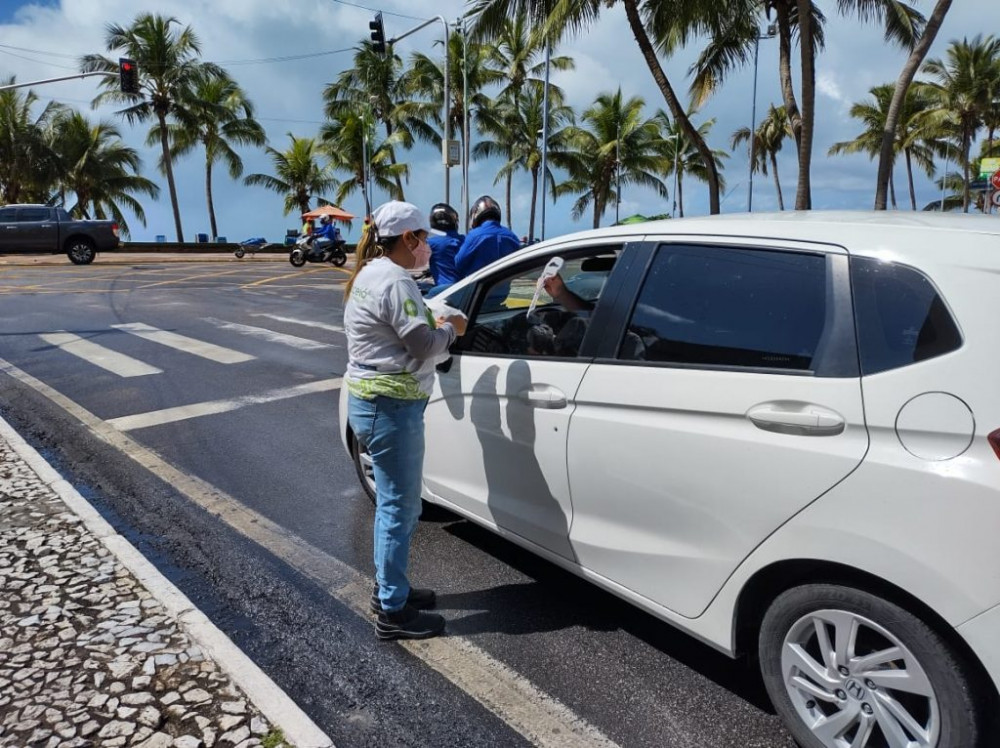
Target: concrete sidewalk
(97, 648)
(132, 258)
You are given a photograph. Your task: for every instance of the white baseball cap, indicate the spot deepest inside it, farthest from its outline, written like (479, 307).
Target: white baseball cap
(394, 218)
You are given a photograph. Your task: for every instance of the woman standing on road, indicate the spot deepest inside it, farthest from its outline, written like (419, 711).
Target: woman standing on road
(392, 341)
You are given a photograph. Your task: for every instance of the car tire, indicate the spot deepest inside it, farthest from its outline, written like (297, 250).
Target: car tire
(827, 701)
(80, 251)
(363, 468)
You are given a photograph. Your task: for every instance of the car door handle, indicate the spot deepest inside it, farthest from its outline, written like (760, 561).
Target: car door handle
(796, 418)
(543, 396)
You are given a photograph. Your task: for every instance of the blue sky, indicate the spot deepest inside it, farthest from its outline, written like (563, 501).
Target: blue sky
(43, 38)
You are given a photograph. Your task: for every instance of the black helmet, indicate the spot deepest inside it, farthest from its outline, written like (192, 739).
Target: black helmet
(444, 217)
(484, 209)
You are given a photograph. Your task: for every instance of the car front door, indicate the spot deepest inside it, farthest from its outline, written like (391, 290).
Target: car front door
(37, 230)
(728, 400)
(8, 229)
(498, 418)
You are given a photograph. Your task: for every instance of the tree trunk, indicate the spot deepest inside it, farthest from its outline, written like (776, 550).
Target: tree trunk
(777, 182)
(208, 196)
(892, 190)
(392, 159)
(510, 180)
(783, 15)
(597, 215)
(680, 195)
(169, 168)
(803, 192)
(909, 177)
(534, 199)
(966, 145)
(899, 98)
(676, 110)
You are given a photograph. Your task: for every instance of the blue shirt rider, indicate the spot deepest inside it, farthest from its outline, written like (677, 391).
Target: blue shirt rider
(324, 235)
(488, 241)
(444, 218)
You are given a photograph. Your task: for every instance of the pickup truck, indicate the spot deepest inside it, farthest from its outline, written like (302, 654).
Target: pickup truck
(41, 229)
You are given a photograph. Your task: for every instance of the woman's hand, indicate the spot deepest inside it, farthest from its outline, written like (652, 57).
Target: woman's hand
(554, 287)
(457, 321)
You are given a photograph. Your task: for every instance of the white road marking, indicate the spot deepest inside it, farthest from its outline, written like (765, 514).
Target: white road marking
(183, 343)
(270, 335)
(195, 410)
(98, 355)
(306, 322)
(536, 715)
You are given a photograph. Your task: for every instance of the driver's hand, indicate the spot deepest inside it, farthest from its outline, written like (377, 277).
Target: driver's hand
(554, 286)
(457, 321)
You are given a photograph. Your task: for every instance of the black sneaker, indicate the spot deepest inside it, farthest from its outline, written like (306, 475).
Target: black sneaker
(408, 623)
(418, 598)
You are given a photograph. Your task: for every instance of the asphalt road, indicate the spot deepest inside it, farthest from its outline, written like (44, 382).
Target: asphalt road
(627, 677)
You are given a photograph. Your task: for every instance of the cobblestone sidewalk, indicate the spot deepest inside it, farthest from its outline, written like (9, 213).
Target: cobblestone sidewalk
(88, 657)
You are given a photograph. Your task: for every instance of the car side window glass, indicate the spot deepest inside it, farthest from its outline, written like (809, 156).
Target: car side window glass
(8, 215)
(502, 325)
(733, 307)
(34, 214)
(901, 318)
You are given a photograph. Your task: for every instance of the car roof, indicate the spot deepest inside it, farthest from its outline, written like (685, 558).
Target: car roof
(25, 205)
(897, 235)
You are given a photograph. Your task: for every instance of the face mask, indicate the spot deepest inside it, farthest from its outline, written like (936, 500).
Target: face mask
(422, 255)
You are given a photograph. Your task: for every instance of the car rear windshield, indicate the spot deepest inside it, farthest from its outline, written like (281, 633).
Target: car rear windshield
(901, 317)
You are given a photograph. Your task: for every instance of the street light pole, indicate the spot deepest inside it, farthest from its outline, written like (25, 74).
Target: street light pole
(677, 181)
(753, 110)
(618, 169)
(466, 145)
(944, 177)
(545, 136)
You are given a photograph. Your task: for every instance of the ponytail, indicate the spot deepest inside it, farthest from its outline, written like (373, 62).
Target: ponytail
(371, 247)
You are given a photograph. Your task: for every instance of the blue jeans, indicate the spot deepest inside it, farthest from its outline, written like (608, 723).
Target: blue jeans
(392, 430)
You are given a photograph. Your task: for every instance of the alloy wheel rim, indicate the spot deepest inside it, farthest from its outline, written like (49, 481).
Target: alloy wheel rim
(80, 251)
(854, 684)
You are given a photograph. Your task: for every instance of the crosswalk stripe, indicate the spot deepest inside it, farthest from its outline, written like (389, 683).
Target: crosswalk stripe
(270, 335)
(298, 321)
(195, 410)
(98, 355)
(183, 343)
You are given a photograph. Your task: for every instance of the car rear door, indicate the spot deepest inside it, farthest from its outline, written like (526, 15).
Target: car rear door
(727, 399)
(37, 230)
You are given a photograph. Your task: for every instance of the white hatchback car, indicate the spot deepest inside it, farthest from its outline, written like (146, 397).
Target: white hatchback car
(775, 432)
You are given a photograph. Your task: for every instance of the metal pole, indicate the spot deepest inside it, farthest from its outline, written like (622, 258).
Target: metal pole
(753, 122)
(944, 177)
(618, 170)
(677, 150)
(545, 135)
(364, 172)
(465, 124)
(55, 80)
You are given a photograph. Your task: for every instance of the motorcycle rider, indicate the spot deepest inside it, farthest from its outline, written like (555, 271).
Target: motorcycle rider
(444, 218)
(488, 241)
(324, 237)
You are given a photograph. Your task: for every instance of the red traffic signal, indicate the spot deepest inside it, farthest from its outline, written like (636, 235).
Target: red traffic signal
(128, 75)
(378, 34)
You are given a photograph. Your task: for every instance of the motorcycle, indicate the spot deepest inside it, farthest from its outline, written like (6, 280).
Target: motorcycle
(325, 251)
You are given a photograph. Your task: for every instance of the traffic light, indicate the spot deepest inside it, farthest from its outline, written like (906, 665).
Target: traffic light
(128, 75)
(378, 34)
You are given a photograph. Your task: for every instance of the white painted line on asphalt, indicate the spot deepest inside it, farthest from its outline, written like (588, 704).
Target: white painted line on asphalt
(269, 335)
(183, 343)
(196, 410)
(299, 730)
(536, 715)
(98, 355)
(298, 321)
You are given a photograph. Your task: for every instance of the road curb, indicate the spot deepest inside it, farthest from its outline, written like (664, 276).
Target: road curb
(298, 729)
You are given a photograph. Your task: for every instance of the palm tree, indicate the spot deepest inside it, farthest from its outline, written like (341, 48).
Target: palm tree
(734, 47)
(99, 169)
(28, 165)
(677, 149)
(654, 24)
(217, 115)
(345, 142)
(298, 174)
(615, 146)
(768, 139)
(375, 84)
(168, 64)
(516, 127)
(515, 51)
(911, 133)
(964, 87)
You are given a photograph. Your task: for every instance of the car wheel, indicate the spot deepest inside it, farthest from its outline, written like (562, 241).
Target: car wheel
(239, 253)
(847, 669)
(81, 251)
(363, 467)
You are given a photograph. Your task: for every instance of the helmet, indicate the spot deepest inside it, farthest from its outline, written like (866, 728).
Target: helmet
(326, 219)
(484, 209)
(444, 217)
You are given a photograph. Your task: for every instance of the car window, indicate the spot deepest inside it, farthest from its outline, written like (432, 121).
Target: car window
(62, 215)
(34, 214)
(502, 324)
(718, 306)
(901, 317)
(8, 215)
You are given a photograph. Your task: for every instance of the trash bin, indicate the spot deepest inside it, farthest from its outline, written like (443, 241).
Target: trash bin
(201, 238)
(161, 238)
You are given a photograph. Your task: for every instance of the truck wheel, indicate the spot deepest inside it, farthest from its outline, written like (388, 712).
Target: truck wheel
(80, 251)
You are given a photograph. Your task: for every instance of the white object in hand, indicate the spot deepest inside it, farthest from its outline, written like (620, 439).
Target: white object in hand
(551, 270)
